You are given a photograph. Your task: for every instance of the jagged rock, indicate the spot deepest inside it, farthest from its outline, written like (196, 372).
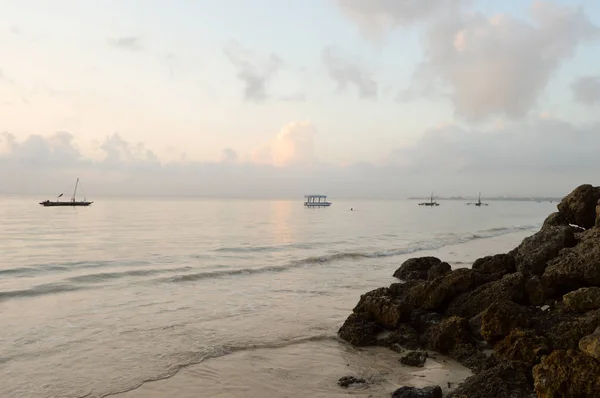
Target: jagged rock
(579, 207)
(414, 358)
(347, 381)
(383, 307)
(563, 330)
(475, 326)
(536, 250)
(510, 288)
(447, 334)
(422, 320)
(567, 374)
(416, 268)
(505, 380)
(359, 330)
(469, 356)
(536, 291)
(501, 317)
(522, 345)
(401, 289)
(498, 264)
(555, 219)
(438, 270)
(583, 300)
(434, 295)
(403, 337)
(598, 214)
(413, 392)
(590, 344)
(577, 267)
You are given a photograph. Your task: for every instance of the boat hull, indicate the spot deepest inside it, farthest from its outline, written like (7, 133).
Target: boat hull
(71, 204)
(317, 204)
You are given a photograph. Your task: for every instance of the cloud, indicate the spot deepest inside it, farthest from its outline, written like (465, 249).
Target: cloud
(129, 43)
(586, 89)
(296, 97)
(346, 70)
(254, 71)
(498, 65)
(375, 18)
(294, 145)
(229, 156)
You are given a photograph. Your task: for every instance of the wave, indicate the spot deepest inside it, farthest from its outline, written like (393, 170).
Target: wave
(221, 351)
(435, 244)
(86, 281)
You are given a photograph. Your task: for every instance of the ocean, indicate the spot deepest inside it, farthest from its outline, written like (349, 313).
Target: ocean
(197, 297)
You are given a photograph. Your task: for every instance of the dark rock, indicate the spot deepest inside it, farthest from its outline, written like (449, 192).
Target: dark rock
(422, 320)
(555, 219)
(522, 345)
(447, 334)
(346, 381)
(579, 207)
(567, 374)
(359, 330)
(598, 214)
(501, 317)
(536, 291)
(413, 392)
(498, 264)
(435, 295)
(475, 326)
(438, 270)
(469, 356)
(583, 300)
(590, 345)
(403, 337)
(536, 250)
(416, 268)
(577, 267)
(383, 307)
(414, 358)
(400, 290)
(510, 288)
(563, 330)
(505, 380)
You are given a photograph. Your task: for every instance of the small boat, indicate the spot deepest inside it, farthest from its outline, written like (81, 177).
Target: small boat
(479, 202)
(430, 203)
(316, 201)
(72, 202)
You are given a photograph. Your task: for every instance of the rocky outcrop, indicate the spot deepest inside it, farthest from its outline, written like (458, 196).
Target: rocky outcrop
(536, 308)
(348, 381)
(577, 267)
(414, 358)
(522, 345)
(418, 268)
(498, 264)
(510, 288)
(590, 345)
(583, 300)
(555, 219)
(413, 392)
(534, 252)
(568, 374)
(579, 207)
(505, 380)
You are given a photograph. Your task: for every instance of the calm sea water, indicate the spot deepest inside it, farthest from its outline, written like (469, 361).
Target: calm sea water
(97, 300)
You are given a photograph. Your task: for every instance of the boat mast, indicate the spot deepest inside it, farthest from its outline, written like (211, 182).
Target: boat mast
(75, 191)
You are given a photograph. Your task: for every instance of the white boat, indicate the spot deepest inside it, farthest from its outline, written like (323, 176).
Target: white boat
(316, 201)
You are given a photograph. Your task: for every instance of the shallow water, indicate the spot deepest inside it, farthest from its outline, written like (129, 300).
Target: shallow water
(97, 300)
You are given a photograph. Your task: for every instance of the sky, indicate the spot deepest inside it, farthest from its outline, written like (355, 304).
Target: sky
(281, 98)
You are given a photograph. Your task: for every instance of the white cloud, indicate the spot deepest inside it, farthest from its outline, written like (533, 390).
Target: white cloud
(375, 18)
(294, 145)
(346, 70)
(499, 65)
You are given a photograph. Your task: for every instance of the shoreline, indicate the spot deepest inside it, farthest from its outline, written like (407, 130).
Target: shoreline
(181, 383)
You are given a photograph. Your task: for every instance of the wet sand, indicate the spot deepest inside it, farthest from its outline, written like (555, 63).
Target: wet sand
(300, 370)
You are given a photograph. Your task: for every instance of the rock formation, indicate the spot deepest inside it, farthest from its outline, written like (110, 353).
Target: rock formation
(537, 308)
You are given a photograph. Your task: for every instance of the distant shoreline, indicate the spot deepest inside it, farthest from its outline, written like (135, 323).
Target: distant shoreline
(495, 199)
